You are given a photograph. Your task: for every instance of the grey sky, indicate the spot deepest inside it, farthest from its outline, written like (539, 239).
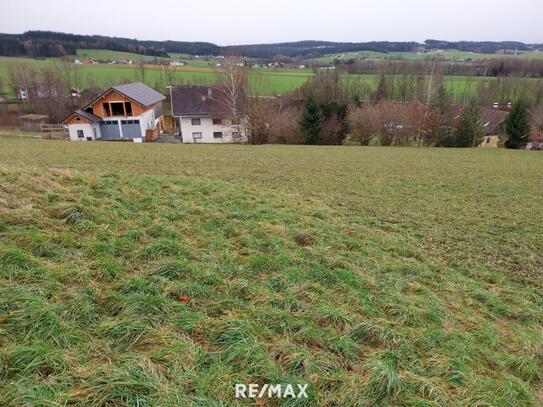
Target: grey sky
(255, 21)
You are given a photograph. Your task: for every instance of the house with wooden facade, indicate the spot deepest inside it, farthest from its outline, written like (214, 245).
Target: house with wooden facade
(129, 112)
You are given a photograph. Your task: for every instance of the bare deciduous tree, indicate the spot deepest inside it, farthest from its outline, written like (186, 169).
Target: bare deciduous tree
(364, 123)
(231, 91)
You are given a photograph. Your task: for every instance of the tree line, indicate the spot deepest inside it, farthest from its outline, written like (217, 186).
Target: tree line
(54, 44)
(326, 111)
(493, 67)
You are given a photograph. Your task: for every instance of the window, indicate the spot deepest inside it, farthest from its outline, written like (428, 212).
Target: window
(196, 122)
(107, 112)
(217, 134)
(235, 121)
(488, 140)
(80, 134)
(197, 135)
(128, 108)
(117, 108)
(217, 122)
(235, 134)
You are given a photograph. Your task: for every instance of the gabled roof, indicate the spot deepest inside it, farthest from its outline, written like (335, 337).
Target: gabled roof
(86, 115)
(200, 101)
(139, 92)
(491, 119)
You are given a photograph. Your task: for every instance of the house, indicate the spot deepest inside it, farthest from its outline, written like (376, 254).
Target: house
(177, 63)
(131, 111)
(203, 115)
(492, 122)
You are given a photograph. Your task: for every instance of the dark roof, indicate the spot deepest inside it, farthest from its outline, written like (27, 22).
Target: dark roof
(141, 93)
(491, 119)
(200, 101)
(89, 116)
(536, 115)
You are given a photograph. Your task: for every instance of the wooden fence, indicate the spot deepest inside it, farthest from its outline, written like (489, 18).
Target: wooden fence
(54, 132)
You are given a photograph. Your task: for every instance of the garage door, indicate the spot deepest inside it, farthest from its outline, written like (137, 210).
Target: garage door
(131, 129)
(109, 129)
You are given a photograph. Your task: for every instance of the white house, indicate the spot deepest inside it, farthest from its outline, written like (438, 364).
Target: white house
(131, 111)
(204, 117)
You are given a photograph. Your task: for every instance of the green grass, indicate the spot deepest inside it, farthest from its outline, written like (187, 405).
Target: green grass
(265, 81)
(113, 55)
(447, 54)
(158, 275)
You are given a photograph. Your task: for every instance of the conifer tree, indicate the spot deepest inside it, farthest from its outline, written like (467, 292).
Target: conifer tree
(517, 126)
(469, 132)
(311, 122)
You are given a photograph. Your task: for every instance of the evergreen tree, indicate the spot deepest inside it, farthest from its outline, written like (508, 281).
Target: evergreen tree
(311, 122)
(469, 132)
(517, 126)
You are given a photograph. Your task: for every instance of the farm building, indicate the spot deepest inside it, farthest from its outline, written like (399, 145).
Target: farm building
(203, 115)
(131, 111)
(32, 122)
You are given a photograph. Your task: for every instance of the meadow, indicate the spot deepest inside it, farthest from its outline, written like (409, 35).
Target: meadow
(450, 55)
(264, 81)
(161, 275)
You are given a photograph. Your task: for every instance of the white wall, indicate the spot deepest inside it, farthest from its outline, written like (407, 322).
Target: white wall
(89, 130)
(207, 128)
(148, 121)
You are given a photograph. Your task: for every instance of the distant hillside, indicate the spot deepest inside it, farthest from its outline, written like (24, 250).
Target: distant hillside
(53, 44)
(313, 49)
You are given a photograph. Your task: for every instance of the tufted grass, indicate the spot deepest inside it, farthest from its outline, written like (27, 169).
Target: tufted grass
(155, 275)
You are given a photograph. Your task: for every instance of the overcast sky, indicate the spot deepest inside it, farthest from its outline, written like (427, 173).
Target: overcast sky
(229, 22)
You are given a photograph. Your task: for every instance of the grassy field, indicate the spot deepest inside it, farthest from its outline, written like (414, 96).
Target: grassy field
(447, 54)
(265, 81)
(112, 55)
(160, 275)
